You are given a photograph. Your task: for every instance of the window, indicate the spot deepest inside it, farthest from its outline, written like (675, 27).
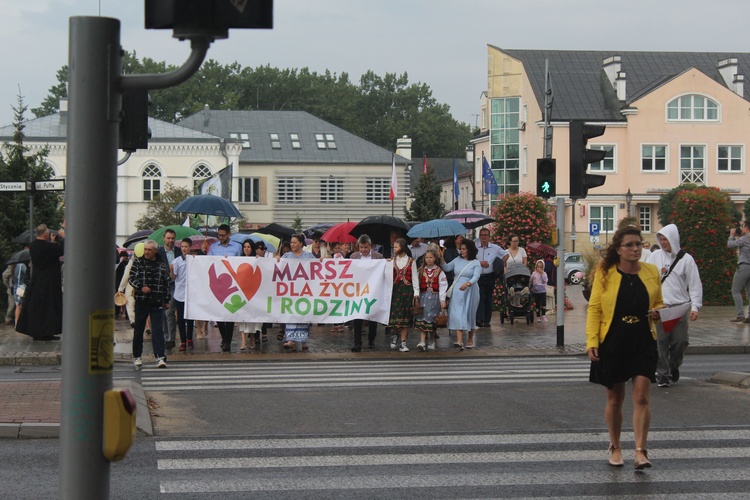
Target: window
(250, 189)
(504, 144)
(325, 141)
(730, 158)
(332, 190)
(241, 136)
(200, 174)
(692, 160)
(608, 163)
(377, 190)
(604, 216)
(644, 218)
(294, 138)
(289, 190)
(151, 183)
(653, 158)
(692, 107)
(275, 142)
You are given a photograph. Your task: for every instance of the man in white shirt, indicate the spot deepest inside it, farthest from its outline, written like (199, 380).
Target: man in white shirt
(418, 248)
(365, 252)
(169, 253)
(486, 254)
(225, 247)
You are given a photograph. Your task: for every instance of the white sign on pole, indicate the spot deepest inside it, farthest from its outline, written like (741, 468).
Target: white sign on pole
(594, 239)
(12, 186)
(56, 185)
(573, 236)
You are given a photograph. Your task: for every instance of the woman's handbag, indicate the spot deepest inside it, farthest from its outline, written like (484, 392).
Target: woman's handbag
(441, 320)
(449, 293)
(120, 299)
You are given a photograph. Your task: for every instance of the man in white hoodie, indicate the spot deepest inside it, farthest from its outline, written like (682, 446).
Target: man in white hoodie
(681, 283)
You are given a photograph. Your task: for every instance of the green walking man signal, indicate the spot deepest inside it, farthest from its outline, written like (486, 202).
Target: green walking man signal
(546, 169)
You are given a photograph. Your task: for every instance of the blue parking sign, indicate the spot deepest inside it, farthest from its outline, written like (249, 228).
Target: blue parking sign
(594, 229)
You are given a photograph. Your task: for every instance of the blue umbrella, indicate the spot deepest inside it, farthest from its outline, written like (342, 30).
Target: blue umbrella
(208, 204)
(242, 237)
(438, 228)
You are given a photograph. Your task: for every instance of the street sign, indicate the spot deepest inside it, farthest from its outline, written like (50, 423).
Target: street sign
(56, 185)
(12, 186)
(573, 236)
(594, 239)
(594, 229)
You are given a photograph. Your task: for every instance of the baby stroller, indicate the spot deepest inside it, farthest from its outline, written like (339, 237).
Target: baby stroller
(518, 301)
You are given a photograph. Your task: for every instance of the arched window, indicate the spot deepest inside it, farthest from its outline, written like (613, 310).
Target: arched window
(151, 183)
(200, 174)
(692, 107)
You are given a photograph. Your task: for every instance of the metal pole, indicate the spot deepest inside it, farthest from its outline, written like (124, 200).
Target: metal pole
(573, 225)
(88, 311)
(560, 221)
(32, 234)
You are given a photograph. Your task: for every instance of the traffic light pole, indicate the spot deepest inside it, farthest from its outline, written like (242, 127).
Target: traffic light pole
(560, 305)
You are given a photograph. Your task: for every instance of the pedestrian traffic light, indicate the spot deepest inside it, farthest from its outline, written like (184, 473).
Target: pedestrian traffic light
(134, 131)
(580, 182)
(546, 185)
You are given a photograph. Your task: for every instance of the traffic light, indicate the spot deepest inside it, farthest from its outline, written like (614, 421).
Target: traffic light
(546, 168)
(134, 131)
(580, 182)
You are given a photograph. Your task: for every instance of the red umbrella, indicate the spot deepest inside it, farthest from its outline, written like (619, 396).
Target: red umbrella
(340, 233)
(199, 239)
(542, 248)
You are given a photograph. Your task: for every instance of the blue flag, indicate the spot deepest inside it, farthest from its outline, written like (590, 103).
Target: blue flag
(490, 184)
(455, 182)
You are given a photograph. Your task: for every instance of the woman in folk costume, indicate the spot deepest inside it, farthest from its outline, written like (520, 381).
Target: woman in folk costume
(405, 293)
(432, 287)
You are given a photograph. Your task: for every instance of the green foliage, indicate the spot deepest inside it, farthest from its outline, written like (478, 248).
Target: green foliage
(666, 202)
(159, 211)
(426, 205)
(16, 164)
(379, 109)
(746, 209)
(297, 223)
(526, 215)
(703, 217)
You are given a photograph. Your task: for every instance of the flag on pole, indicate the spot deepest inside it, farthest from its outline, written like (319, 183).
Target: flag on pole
(455, 183)
(672, 315)
(424, 164)
(187, 221)
(394, 181)
(490, 184)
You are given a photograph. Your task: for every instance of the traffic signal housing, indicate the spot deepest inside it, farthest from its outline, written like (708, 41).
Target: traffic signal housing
(134, 130)
(580, 157)
(546, 177)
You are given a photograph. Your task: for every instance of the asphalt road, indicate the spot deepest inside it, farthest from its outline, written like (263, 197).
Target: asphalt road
(497, 427)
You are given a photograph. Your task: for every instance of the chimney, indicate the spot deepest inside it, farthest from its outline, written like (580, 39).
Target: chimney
(63, 110)
(403, 147)
(728, 69)
(206, 115)
(612, 67)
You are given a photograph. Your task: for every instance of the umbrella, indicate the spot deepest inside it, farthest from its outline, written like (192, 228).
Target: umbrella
(208, 204)
(198, 240)
(438, 228)
(469, 218)
(265, 238)
(317, 228)
(379, 227)
(281, 232)
(180, 232)
(19, 257)
(28, 236)
(542, 248)
(137, 236)
(340, 233)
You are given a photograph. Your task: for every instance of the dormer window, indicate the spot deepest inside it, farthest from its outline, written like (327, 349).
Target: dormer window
(692, 107)
(294, 138)
(275, 142)
(242, 137)
(325, 141)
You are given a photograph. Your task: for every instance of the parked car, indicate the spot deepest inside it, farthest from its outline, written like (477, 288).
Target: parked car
(573, 265)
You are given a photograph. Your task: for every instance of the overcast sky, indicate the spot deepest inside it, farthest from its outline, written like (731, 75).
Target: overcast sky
(442, 43)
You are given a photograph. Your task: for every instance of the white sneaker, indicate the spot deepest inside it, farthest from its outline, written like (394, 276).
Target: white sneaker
(394, 341)
(160, 363)
(137, 362)
(431, 346)
(403, 347)
(544, 318)
(421, 346)
(539, 320)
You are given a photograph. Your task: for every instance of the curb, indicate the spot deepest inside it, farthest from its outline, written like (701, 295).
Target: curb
(734, 379)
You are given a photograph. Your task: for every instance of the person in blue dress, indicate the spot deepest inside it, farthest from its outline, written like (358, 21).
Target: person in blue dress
(462, 310)
(297, 332)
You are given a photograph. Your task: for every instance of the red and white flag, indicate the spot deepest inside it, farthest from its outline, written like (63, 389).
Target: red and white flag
(672, 315)
(424, 164)
(394, 181)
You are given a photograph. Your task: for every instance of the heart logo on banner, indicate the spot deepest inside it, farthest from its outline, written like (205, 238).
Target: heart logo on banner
(221, 285)
(247, 277)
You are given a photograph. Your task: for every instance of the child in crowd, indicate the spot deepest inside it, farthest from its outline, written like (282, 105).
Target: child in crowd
(539, 290)
(433, 285)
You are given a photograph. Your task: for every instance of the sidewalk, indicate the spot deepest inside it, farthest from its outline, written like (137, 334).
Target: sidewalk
(32, 409)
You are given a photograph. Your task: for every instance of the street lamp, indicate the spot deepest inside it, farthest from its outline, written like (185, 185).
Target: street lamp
(628, 200)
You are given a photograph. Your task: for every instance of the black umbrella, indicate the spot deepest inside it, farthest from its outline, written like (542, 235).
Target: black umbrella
(284, 233)
(208, 204)
(317, 228)
(18, 257)
(379, 227)
(137, 236)
(28, 236)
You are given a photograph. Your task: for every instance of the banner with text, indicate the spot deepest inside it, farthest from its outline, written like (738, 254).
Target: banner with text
(289, 290)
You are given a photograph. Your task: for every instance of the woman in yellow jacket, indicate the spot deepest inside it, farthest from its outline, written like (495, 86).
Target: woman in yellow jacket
(620, 338)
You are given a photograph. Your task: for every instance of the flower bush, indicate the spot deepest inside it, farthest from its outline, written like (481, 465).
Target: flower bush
(703, 216)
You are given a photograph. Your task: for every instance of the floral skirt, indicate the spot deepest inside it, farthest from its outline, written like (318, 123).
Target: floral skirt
(296, 332)
(426, 321)
(401, 302)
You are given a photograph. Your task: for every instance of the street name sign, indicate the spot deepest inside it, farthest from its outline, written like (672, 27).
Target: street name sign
(56, 185)
(12, 186)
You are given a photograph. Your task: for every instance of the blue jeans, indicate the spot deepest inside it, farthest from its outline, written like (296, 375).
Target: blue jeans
(143, 311)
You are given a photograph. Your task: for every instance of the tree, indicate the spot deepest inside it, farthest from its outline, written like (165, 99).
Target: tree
(51, 104)
(16, 164)
(526, 215)
(426, 205)
(159, 211)
(703, 217)
(746, 210)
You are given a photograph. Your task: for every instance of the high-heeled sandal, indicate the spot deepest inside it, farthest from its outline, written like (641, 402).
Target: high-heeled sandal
(614, 463)
(642, 464)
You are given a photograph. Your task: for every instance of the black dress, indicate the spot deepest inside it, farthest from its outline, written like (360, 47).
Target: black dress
(629, 349)
(41, 310)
